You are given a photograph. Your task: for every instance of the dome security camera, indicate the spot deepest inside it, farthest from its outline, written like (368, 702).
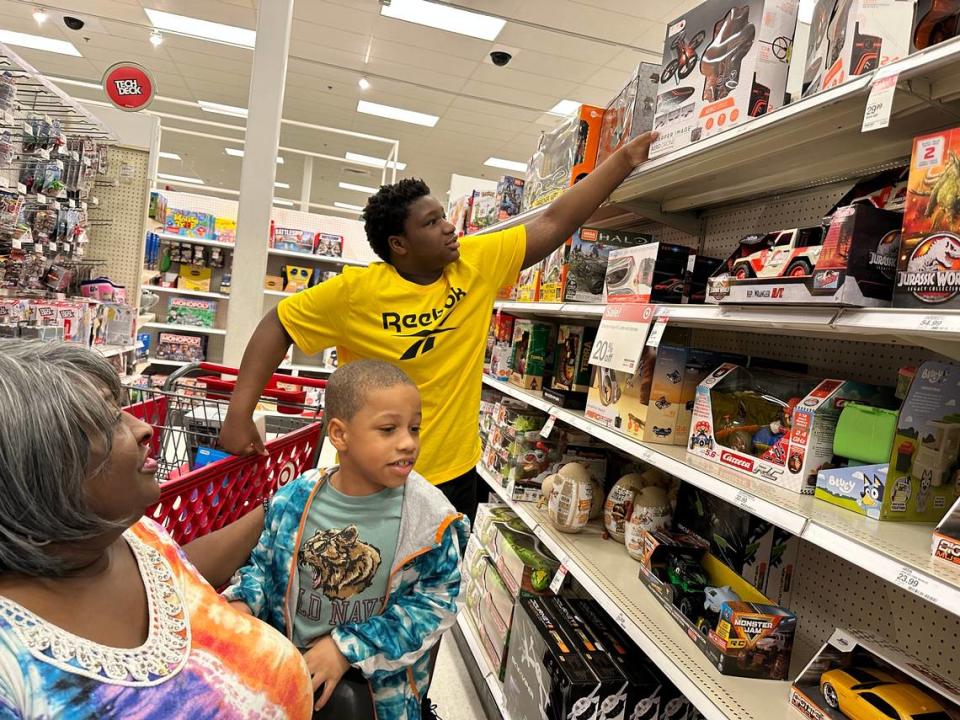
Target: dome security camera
(500, 58)
(73, 23)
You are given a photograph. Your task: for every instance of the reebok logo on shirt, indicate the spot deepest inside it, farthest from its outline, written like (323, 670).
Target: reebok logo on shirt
(426, 338)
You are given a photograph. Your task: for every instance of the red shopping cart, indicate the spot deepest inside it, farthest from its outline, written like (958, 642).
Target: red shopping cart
(186, 415)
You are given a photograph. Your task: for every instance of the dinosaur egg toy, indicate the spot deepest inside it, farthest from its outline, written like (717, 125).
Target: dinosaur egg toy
(571, 498)
(651, 511)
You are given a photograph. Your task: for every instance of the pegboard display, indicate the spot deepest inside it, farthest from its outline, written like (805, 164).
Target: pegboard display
(118, 234)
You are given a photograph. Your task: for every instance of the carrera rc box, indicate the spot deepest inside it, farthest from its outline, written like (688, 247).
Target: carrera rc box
(723, 63)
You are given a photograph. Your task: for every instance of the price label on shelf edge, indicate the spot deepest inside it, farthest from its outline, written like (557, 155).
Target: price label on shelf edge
(558, 579)
(914, 582)
(656, 332)
(880, 101)
(548, 426)
(621, 337)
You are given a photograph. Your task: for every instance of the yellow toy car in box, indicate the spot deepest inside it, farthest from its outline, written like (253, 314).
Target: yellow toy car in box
(871, 694)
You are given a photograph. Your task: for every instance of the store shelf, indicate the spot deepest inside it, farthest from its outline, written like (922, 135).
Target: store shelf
(611, 577)
(184, 328)
(327, 259)
(109, 351)
(606, 216)
(189, 293)
(807, 143)
(470, 635)
(171, 363)
(898, 553)
(277, 293)
(170, 237)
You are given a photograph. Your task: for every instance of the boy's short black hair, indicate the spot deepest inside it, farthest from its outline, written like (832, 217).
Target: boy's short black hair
(386, 212)
(347, 388)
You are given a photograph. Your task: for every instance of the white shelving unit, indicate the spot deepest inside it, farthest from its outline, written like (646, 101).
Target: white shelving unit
(321, 259)
(109, 351)
(171, 363)
(496, 689)
(188, 293)
(184, 328)
(169, 237)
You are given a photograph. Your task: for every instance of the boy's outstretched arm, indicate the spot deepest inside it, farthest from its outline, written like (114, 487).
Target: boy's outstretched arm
(575, 206)
(263, 355)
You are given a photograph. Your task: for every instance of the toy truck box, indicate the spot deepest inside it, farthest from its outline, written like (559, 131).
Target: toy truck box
(656, 272)
(922, 478)
(630, 113)
(852, 264)
(946, 538)
(564, 156)
(532, 342)
(928, 272)
(571, 373)
(192, 311)
(853, 37)
(723, 63)
(524, 564)
(509, 197)
(729, 620)
(856, 674)
(775, 427)
(575, 271)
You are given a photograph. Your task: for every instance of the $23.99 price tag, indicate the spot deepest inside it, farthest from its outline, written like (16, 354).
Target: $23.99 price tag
(621, 337)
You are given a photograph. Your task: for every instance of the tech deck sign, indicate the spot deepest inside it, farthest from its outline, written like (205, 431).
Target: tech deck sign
(129, 86)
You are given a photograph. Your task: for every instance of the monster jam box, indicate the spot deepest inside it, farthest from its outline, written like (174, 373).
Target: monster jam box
(509, 197)
(653, 273)
(575, 271)
(928, 272)
(834, 685)
(571, 372)
(564, 156)
(853, 37)
(532, 342)
(524, 564)
(630, 113)
(746, 637)
(946, 538)
(723, 63)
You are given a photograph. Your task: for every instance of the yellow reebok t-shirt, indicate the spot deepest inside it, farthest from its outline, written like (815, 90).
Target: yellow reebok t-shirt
(436, 333)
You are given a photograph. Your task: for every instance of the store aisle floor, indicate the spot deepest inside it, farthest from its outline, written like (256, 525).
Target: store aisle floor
(452, 689)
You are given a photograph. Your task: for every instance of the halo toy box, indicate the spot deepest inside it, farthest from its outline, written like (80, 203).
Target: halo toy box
(858, 675)
(928, 273)
(723, 63)
(729, 620)
(630, 113)
(571, 372)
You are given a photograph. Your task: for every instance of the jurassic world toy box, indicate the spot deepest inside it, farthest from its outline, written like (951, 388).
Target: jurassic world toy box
(655, 272)
(853, 37)
(852, 264)
(928, 273)
(729, 620)
(630, 113)
(859, 675)
(575, 271)
(723, 63)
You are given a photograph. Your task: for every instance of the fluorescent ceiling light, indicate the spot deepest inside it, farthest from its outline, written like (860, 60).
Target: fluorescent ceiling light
(222, 109)
(348, 206)
(202, 29)
(40, 15)
(394, 113)
(506, 164)
(806, 11)
(358, 188)
(38, 42)
(78, 83)
(284, 203)
(237, 152)
(180, 178)
(374, 161)
(446, 18)
(363, 83)
(282, 185)
(169, 155)
(565, 107)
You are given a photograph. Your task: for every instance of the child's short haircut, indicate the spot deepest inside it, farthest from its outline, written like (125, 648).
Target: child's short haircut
(347, 388)
(386, 212)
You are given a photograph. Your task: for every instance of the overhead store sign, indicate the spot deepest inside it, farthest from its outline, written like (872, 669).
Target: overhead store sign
(129, 86)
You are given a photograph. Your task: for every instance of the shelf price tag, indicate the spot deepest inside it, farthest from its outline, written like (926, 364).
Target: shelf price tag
(915, 583)
(621, 337)
(880, 100)
(743, 499)
(548, 426)
(941, 322)
(558, 579)
(656, 332)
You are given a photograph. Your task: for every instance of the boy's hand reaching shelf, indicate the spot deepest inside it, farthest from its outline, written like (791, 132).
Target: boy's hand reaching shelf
(327, 665)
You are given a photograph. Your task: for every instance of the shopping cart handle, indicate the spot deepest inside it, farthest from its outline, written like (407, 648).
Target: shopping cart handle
(287, 379)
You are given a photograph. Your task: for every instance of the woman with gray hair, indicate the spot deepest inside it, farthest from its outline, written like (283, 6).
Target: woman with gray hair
(102, 615)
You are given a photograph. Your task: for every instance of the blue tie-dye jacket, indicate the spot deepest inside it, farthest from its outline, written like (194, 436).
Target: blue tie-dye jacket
(392, 649)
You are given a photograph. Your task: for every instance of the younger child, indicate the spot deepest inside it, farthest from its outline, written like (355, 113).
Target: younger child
(359, 565)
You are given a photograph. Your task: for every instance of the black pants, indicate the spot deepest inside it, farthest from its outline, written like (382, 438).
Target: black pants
(351, 699)
(462, 493)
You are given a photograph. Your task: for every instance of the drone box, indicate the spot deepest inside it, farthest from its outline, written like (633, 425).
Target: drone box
(750, 637)
(575, 271)
(852, 265)
(630, 113)
(928, 272)
(859, 672)
(723, 63)
(571, 374)
(853, 37)
(656, 272)
(946, 538)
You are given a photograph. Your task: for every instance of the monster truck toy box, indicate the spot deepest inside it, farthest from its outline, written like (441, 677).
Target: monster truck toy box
(852, 264)
(857, 674)
(928, 272)
(723, 63)
(771, 426)
(730, 621)
(575, 271)
(524, 564)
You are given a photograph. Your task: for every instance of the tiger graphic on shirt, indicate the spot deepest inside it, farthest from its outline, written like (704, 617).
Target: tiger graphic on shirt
(342, 564)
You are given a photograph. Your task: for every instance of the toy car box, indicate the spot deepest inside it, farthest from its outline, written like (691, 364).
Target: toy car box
(771, 426)
(630, 113)
(928, 272)
(575, 271)
(921, 479)
(946, 538)
(192, 311)
(656, 272)
(853, 37)
(524, 564)
(852, 264)
(532, 342)
(571, 372)
(856, 674)
(564, 156)
(703, 269)
(723, 63)
(509, 197)
(728, 619)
